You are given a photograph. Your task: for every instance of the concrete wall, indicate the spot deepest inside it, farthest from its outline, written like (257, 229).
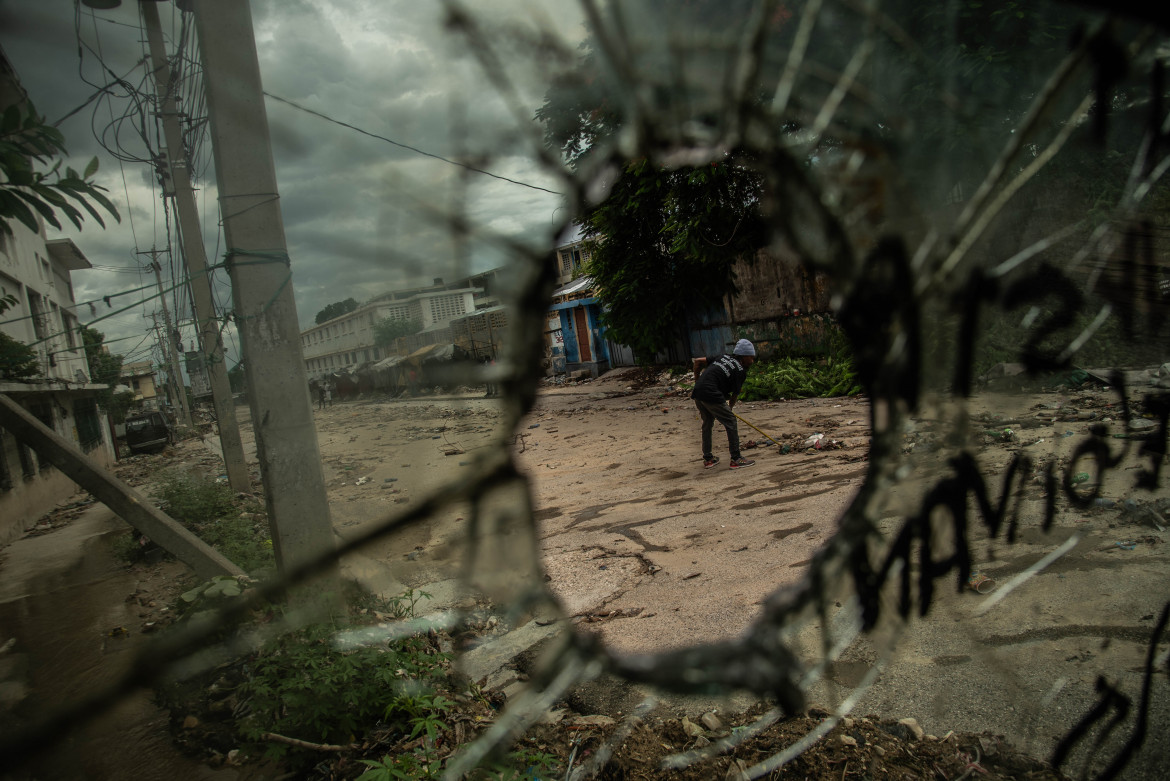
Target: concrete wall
(29, 488)
(777, 285)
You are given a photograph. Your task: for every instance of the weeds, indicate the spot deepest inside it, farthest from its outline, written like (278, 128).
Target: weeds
(800, 378)
(212, 512)
(192, 500)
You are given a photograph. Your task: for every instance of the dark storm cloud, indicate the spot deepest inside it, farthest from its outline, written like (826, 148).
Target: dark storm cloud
(357, 210)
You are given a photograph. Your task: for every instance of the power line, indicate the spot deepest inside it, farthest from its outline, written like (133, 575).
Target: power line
(411, 148)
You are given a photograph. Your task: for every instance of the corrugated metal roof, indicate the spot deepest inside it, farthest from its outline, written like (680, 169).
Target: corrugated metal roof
(576, 286)
(388, 363)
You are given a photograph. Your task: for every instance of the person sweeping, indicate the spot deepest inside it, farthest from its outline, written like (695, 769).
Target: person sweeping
(718, 381)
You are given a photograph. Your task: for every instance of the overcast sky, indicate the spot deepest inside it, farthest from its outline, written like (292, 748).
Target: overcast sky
(353, 227)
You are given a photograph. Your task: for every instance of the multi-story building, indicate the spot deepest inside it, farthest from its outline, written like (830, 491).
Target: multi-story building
(139, 377)
(36, 273)
(347, 342)
(39, 312)
(575, 336)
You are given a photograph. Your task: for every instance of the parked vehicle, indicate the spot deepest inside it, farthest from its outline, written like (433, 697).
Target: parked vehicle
(148, 431)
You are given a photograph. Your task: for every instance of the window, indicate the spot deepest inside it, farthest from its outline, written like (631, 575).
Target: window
(70, 327)
(89, 424)
(36, 307)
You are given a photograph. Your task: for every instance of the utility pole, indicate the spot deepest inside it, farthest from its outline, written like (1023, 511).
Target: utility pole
(266, 312)
(194, 253)
(172, 386)
(171, 354)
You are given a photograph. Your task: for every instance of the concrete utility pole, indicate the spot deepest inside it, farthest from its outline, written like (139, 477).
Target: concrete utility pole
(171, 353)
(266, 313)
(194, 253)
(172, 386)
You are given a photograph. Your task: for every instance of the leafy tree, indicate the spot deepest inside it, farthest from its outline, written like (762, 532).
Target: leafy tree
(664, 241)
(26, 140)
(663, 247)
(105, 368)
(336, 309)
(18, 361)
(388, 329)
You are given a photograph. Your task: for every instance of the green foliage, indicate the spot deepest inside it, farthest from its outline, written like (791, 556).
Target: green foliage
(209, 509)
(117, 404)
(105, 368)
(18, 361)
(388, 329)
(221, 586)
(305, 686)
(25, 193)
(336, 309)
(518, 765)
(192, 500)
(663, 246)
(800, 378)
(403, 766)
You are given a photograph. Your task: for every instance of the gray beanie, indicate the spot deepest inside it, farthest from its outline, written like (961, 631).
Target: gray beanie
(744, 347)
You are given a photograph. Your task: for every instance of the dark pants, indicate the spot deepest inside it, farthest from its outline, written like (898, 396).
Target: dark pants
(712, 412)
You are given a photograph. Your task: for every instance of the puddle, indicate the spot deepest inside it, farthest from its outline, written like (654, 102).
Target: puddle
(68, 645)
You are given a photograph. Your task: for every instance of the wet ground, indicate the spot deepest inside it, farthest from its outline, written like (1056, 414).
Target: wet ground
(71, 621)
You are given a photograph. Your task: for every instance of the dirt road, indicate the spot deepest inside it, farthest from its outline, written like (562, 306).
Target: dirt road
(650, 551)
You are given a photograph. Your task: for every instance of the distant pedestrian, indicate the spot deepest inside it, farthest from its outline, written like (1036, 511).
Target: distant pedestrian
(718, 381)
(492, 390)
(328, 395)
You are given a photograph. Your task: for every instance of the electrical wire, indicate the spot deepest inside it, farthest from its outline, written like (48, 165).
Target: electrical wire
(407, 146)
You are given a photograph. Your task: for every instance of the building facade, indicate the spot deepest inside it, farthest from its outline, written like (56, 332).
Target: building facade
(39, 311)
(574, 336)
(139, 377)
(36, 273)
(347, 342)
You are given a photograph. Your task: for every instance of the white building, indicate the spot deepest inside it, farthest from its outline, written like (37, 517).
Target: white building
(40, 314)
(36, 273)
(348, 341)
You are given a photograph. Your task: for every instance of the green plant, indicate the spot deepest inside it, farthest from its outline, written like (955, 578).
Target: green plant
(404, 766)
(403, 605)
(218, 587)
(25, 139)
(522, 763)
(18, 361)
(388, 329)
(304, 685)
(126, 547)
(210, 510)
(194, 500)
(798, 378)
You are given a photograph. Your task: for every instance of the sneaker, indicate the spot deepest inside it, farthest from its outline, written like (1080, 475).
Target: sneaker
(739, 463)
(710, 462)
